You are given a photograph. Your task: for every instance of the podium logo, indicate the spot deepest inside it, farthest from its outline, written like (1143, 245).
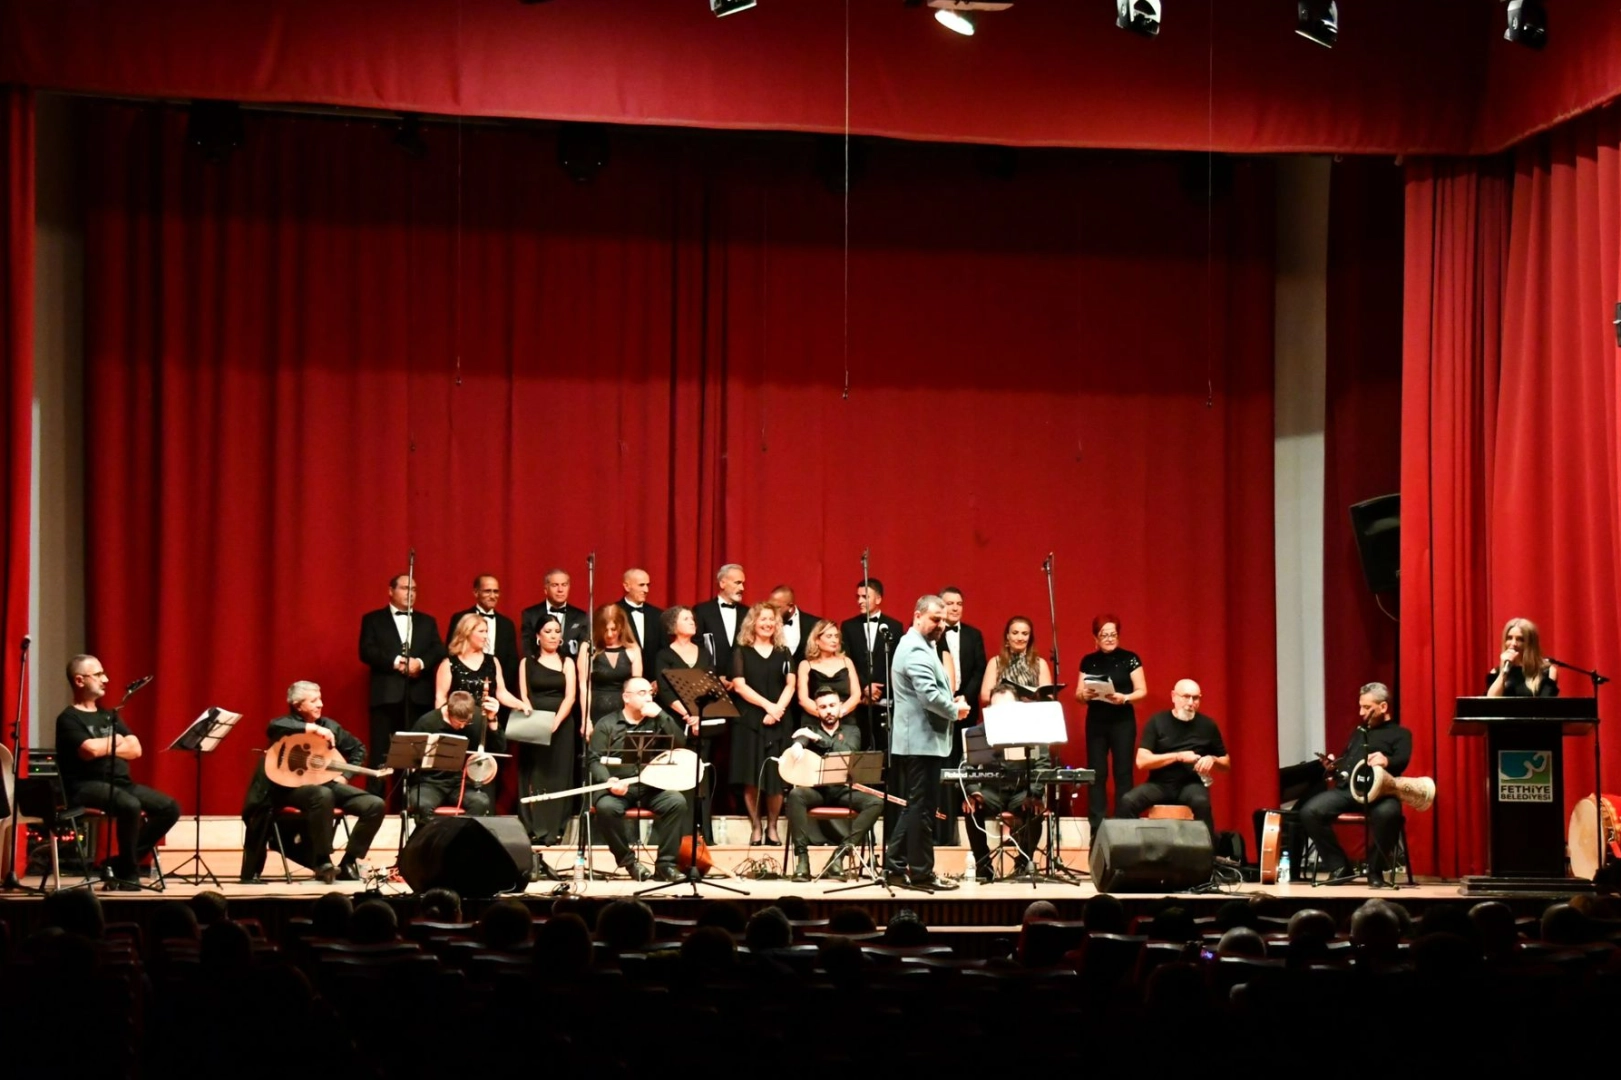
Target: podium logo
(1524, 776)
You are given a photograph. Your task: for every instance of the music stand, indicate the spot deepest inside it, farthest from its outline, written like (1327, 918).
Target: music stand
(1023, 730)
(409, 751)
(864, 767)
(706, 699)
(202, 737)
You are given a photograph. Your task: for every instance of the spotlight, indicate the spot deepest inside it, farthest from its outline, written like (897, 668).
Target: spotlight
(582, 150)
(1318, 21)
(1138, 16)
(1527, 23)
(959, 22)
(722, 8)
(215, 128)
(958, 15)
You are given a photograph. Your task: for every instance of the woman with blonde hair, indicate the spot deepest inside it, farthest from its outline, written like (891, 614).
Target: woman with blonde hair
(828, 667)
(763, 680)
(1522, 670)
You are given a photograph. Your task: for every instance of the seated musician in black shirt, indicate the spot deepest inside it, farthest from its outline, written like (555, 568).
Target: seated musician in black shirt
(1384, 743)
(640, 715)
(316, 801)
(1012, 794)
(1182, 750)
(93, 751)
(830, 736)
(431, 788)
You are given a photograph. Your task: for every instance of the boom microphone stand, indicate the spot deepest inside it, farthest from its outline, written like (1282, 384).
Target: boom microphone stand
(582, 827)
(111, 882)
(8, 858)
(878, 710)
(1056, 869)
(1598, 788)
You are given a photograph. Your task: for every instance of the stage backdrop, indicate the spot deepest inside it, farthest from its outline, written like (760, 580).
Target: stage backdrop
(306, 361)
(1511, 453)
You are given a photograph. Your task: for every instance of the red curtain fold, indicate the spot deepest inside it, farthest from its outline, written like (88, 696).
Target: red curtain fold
(1362, 423)
(1511, 417)
(322, 353)
(17, 345)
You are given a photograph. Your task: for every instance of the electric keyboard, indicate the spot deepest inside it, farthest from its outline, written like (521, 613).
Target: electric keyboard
(1063, 776)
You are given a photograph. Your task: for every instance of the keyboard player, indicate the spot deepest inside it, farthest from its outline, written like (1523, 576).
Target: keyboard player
(1015, 793)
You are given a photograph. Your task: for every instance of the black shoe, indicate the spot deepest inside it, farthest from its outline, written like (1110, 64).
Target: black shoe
(348, 871)
(934, 884)
(897, 878)
(118, 884)
(669, 873)
(636, 870)
(326, 873)
(802, 870)
(250, 879)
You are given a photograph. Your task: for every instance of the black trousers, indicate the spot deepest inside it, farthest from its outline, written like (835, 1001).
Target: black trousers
(1192, 795)
(1026, 831)
(317, 801)
(669, 821)
(476, 801)
(1384, 824)
(1109, 742)
(802, 800)
(126, 803)
(911, 847)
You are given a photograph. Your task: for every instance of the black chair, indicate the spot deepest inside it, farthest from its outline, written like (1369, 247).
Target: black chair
(43, 803)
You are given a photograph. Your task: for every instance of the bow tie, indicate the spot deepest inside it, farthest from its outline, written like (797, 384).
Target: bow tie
(953, 629)
(876, 618)
(789, 621)
(728, 603)
(401, 614)
(484, 614)
(557, 611)
(633, 607)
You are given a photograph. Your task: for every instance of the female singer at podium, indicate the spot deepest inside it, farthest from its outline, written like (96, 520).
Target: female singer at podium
(1521, 670)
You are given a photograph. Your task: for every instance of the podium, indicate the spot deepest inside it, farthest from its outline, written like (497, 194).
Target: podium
(1525, 786)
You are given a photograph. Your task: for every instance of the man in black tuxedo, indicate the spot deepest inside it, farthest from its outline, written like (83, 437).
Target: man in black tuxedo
(796, 624)
(644, 618)
(576, 621)
(719, 617)
(967, 648)
(503, 639)
(402, 647)
(870, 639)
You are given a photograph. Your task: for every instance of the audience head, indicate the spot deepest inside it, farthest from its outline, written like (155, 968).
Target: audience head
(329, 918)
(75, 911)
(505, 924)
(578, 906)
(1236, 913)
(905, 928)
(708, 951)
(626, 926)
(210, 907)
(843, 961)
(1173, 923)
(563, 946)
(1375, 932)
(726, 915)
(373, 923)
(440, 905)
(768, 929)
(1241, 941)
(1495, 928)
(1039, 911)
(1104, 914)
(174, 920)
(1447, 919)
(1565, 925)
(797, 908)
(852, 920)
(226, 950)
(1445, 955)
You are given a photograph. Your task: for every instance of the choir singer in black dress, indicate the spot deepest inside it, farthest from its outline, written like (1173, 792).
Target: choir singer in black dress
(763, 682)
(548, 681)
(684, 653)
(1111, 717)
(1522, 670)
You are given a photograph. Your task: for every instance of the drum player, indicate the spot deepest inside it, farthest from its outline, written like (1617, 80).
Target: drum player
(1384, 743)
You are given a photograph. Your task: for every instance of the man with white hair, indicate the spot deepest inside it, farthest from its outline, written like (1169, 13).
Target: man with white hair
(1182, 750)
(719, 617)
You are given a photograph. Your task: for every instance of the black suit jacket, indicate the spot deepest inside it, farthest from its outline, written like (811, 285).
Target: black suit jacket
(855, 643)
(651, 617)
(576, 628)
(804, 620)
(971, 667)
(380, 645)
(707, 616)
(506, 645)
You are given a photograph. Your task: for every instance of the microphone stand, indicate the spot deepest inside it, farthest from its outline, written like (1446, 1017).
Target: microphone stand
(1056, 868)
(12, 882)
(107, 876)
(1598, 786)
(1350, 789)
(582, 853)
(876, 711)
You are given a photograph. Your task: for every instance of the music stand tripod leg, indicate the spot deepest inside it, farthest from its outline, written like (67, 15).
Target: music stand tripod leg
(693, 876)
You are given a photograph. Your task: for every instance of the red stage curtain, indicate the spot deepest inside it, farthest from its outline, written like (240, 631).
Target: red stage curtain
(17, 346)
(1230, 75)
(303, 367)
(1362, 434)
(1511, 421)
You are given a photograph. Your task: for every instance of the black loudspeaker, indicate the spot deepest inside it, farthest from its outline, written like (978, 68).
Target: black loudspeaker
(1151, 856)
(475, 856)
(1378, 539)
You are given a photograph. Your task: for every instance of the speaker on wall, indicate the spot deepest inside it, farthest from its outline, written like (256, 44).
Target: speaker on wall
(475, 856)
(1151, 856)
(1377, 523)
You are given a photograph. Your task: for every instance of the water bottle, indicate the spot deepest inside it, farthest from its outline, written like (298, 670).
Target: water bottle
(579, 874)
(970, 871)
(1283, 869)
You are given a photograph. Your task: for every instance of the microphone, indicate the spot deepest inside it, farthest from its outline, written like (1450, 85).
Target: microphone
(574, 647)
(1047, 563)
(138, 683)
(709, 642)
(27, 641)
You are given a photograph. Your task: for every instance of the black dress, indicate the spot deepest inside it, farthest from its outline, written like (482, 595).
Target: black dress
(1514, 684)
(668, 659)
(838, 682)
(610, 671)
(1111, 731)
(548, 768)
(753, 741)
(471, 679)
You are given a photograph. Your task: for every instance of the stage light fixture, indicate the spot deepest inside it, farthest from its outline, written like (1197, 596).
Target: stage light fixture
(215, 128)
(1319, 21)
(958, 22)
(582, 150)
(723, 8)
(1138, 16)
(1527, 23)
(959, 16)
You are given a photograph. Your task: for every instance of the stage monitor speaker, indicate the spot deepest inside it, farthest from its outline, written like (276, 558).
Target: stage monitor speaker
(1151, 856)
(1378, 540)
(475, 856)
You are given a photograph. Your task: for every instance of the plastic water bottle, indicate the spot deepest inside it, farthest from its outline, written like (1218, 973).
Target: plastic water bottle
(1283, 869)
(970, 871)
(579, 874)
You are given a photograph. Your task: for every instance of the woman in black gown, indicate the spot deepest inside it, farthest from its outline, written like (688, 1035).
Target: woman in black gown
(548, 684)
(827, 667)
(615, 661)
(1111, 718)
(1522, 670)
(763, 680)
(685, 652)
(468, 667)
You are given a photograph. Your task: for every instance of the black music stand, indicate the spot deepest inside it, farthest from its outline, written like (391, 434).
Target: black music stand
(202, 737)
(848, 768)
(706, 698)
(409, 751)
(1525, 787)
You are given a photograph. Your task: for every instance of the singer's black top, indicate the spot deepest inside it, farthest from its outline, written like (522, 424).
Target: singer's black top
(1514, 684)
(471, 679)
(1165, 734)
(1116, 666)
(668, 658)
(1389, 739)
(75, 727)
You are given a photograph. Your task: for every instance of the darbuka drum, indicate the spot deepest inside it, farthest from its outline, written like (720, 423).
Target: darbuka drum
(1370, 783)
(1582, 839)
